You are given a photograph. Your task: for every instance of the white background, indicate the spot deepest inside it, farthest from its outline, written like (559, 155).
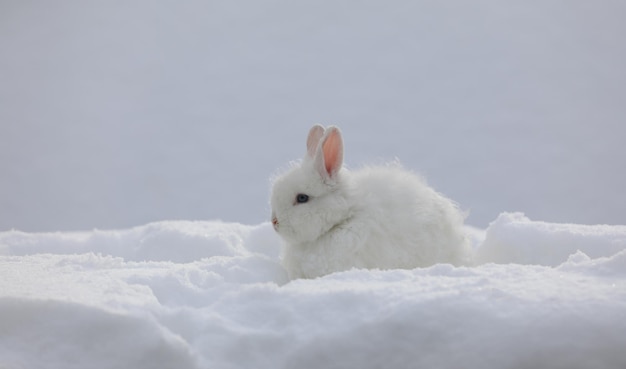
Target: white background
(118, 113)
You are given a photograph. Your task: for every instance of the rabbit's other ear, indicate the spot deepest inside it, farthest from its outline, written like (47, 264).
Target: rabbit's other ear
(329, 154)
(315, 134)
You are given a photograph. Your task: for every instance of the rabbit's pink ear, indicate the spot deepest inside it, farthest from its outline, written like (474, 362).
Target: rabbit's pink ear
(315, 134)
(329, 156)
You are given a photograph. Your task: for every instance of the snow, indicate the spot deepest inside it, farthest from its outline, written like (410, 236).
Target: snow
(507, 241)
(213, 294)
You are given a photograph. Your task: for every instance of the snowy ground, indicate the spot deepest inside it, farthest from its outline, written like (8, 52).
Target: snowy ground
(213, 295)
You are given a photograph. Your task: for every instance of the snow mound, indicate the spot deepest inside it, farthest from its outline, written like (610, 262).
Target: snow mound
(214, 295)
(36, 333)
(176, 241)
(513, 238)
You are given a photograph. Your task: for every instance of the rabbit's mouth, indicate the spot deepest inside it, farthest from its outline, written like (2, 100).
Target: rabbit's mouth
(275, 223)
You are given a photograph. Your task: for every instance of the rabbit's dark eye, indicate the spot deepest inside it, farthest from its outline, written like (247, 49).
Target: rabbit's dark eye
(302, 198)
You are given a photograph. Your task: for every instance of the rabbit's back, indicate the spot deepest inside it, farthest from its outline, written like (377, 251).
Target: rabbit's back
(408, 223)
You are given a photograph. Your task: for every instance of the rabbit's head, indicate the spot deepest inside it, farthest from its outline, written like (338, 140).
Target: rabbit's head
(311, 199)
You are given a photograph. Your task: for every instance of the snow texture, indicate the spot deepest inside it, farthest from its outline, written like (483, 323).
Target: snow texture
(214, 295)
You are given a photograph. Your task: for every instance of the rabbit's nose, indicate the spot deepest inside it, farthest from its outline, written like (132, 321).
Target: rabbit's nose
(275, 223)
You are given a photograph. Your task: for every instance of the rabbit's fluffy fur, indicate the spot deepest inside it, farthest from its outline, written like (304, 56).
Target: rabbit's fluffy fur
(381, 217)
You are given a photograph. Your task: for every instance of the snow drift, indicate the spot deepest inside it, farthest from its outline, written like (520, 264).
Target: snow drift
(212, 294)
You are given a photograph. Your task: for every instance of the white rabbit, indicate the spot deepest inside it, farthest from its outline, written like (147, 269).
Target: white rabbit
(380, 217)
